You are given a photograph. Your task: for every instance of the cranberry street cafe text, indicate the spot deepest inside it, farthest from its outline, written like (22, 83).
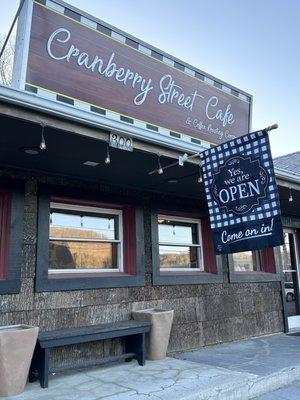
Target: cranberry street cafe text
(77, 61)
(170, 92)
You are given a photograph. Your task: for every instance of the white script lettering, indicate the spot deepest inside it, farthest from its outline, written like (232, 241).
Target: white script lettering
(225, 117)
(109, 70)
(170, 92)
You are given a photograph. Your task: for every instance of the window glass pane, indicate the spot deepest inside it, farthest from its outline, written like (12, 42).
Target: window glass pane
(246, 261)
(285, 252)
(178, 257)
(177, 232)
(83, 255)
(65, 224)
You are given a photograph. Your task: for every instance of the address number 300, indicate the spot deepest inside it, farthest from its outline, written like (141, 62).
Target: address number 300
(121, 142)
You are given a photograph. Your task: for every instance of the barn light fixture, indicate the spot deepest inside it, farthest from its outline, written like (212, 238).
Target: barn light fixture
(200, 178)
(160, 169)
(291, 196)
(43, 142)
(107, 159)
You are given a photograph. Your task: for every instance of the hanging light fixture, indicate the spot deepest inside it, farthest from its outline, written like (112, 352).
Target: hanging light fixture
(291, 196)
(160, 169)
(107, 159)
(43, 142)
(200, 179)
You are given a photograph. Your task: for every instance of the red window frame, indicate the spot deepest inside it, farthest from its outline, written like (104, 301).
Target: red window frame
(211, 270)
(267, 263)
(129, 237)
(209, 256)
(268, 273)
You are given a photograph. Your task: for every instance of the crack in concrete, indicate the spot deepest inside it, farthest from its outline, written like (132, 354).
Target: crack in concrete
(162, 388)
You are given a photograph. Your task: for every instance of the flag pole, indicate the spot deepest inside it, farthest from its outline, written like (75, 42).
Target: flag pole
(185, 157)
(270, 128)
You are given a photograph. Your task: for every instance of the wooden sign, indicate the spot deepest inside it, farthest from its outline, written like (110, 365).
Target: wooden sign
(85, 62)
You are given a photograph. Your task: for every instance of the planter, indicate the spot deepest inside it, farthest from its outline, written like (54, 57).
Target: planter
(160, 331)
(17, 344)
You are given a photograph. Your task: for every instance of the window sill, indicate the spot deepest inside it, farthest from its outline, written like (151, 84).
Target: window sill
(255, 276)
(172, 273)
(10, 286)
(86, 275)
(66, 282)
(186, 278)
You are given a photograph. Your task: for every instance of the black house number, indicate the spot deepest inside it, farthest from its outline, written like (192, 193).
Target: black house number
(120, 142)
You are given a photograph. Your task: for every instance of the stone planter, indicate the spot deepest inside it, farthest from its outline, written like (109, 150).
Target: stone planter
(160, 331)
(17, 344)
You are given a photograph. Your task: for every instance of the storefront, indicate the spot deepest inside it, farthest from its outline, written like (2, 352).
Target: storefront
(91, 230)
(288, 254)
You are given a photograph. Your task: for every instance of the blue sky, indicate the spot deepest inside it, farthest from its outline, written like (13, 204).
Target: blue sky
(253, 45)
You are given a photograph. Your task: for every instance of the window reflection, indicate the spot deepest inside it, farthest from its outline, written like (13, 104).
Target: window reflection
(247, 261)
(287, 261)
(83, 240)
(179, 243)
(285, 252)
(76, 255)
(176, 232)
(178, 257)
(67, 225)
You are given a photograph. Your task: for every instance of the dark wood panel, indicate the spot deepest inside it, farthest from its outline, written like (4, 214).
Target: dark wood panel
(92, 333)
(77, 81)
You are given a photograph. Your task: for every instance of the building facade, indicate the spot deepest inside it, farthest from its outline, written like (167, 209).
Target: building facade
(91, 232)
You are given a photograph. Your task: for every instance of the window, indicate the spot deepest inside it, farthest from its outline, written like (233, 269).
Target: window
(182, 249)
(179, 244)
(89, 244)
(247, 261)
(85, 239)
(253, 266)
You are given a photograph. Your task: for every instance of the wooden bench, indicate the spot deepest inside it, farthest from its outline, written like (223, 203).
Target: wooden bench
(133, 331)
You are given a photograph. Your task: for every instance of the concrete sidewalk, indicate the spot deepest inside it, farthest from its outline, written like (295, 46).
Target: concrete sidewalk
(235, 371)
(291, 392)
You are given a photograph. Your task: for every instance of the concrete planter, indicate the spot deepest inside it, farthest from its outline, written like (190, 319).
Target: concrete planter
(17, 344)
(160, 331)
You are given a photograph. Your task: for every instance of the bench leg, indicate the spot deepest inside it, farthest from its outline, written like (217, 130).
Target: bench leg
(44, 368)
(40, 366)
(137, 344)
(33, 371)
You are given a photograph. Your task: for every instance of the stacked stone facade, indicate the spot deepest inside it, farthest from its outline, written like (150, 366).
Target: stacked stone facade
(204, 314)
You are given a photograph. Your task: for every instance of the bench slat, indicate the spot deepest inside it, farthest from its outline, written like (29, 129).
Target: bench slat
(92, 333)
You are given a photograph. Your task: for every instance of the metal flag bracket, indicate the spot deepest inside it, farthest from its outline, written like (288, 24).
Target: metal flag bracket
(185, 157)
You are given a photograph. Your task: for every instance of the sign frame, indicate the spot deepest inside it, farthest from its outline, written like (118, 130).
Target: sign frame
(22, 49)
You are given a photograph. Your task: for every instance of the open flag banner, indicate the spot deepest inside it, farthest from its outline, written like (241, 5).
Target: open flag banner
(242, 194)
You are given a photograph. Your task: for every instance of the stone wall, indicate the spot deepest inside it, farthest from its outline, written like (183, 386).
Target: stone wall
(204, 314)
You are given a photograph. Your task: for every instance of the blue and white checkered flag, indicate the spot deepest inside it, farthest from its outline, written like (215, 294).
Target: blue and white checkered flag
(242, 194)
